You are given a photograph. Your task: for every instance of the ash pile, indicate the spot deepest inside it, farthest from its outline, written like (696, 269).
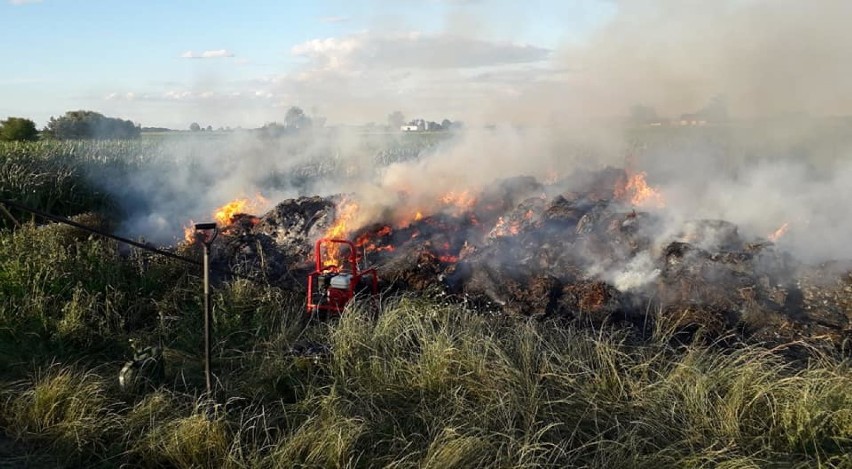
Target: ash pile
(585, 255)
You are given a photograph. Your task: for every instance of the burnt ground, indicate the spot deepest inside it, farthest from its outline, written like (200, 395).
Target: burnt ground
(579, 255)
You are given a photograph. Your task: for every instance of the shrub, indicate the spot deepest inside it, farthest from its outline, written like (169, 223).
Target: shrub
(90, 125)
(18, 129)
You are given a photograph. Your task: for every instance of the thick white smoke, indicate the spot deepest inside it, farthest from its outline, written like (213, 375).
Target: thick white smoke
(779, 68)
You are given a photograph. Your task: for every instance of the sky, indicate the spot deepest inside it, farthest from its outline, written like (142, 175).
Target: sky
(244, 63)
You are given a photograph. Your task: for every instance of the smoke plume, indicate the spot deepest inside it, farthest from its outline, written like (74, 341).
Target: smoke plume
(774, 150)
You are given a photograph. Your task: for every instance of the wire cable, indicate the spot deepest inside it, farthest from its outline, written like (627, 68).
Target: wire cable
(137, 244)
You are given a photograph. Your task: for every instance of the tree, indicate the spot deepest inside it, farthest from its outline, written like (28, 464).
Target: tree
(396, 120)
(272, 129)
(18, 129)
(194, 127)
(419, 123)
(446, 124)
(296, 119)
(90, 125)
(209, 128)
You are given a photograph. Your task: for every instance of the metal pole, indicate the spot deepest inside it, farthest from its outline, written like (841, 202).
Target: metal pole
(209, 231)
(208, 318)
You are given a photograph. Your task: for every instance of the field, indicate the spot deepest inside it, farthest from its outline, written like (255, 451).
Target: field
(426, 384)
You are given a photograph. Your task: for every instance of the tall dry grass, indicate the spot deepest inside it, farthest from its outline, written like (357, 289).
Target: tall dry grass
(432, 385)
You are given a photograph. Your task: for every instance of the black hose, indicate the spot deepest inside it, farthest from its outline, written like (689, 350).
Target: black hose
(171, 255)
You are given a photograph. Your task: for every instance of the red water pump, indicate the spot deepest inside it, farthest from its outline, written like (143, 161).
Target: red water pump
(332, 286)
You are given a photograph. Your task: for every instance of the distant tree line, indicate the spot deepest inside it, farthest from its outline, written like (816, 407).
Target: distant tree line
(396, 121)
(194, 127)
(73, 125)
(295, 121)
(90, 125)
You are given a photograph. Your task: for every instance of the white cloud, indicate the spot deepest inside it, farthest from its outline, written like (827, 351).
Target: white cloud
(23, 2)
(208, 54)
(415, 51)
(364, 76)
(180, 95)
(334, 19)
(129, 96)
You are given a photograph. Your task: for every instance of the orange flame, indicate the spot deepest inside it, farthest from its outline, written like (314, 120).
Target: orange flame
(462, 201)
(777, 234)
(189, 233)
(366, 241)
(405, 218)
(639, 193)
(346, 211)
(225, 214)
(504, 228)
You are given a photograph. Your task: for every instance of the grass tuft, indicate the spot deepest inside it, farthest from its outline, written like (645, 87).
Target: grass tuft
(65, 409)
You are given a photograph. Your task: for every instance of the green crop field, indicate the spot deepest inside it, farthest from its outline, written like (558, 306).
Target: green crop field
(426, 384)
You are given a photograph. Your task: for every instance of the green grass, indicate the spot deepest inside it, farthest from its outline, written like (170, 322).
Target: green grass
(64, 293)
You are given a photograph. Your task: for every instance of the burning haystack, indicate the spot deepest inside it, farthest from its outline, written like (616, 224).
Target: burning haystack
(594, 253)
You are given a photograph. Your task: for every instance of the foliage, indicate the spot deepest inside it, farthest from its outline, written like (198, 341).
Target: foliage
(296, 119)
(90, 125)
(18, 129)
(64, 292)
(54, 176)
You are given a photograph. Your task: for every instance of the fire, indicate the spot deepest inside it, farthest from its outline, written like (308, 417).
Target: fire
(225, 214)
(367, 241)
(346, 212)
(639, 193)
(406, 217)
(462, 201)
(189, 234)
(777, 234)
(505, 228)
